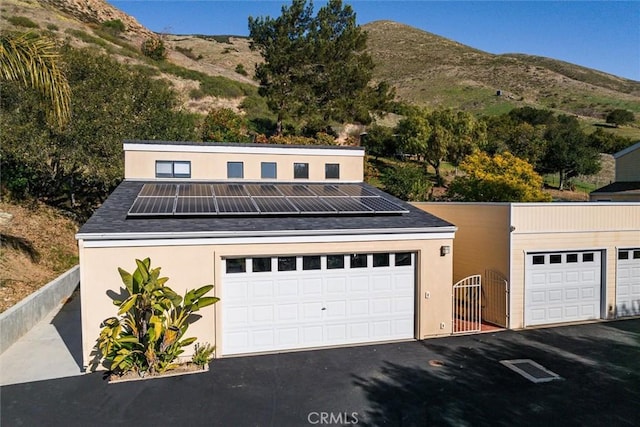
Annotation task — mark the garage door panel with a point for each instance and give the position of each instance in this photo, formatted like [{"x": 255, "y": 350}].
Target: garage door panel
[
  {"x": 261, "y": 289},
  {"x": 262, "y": 313},
  {"x": 359, "y": 307},
  {"x": 271, "y": 311},
  {"x": 288, "y": 312},
  {"x": 359, "y": 331},
  {"x": 287, "y": 288},
  {"x": 382, "y": 283},
  {"x": 237, "y": 292},
  {"x": 628, "y": 282},
  {"x": 336, "y": 334},
  {"x": 312, "y": 287},
  {"x": 359, "y": 284},
  {"x": 567, "y": 290},
  {"x": 336, "y": 285}
]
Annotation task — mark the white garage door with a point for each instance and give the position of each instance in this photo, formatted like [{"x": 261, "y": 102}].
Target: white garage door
[
  {"x": 292, "y": 302},
  {"x": 628, "y": 283},
  {"x": 562, "y": 287}
]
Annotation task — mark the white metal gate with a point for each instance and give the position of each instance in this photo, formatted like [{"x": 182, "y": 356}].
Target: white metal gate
[
  {"x": 467, "y": 305},
  {"x": 495, "y": 298}
]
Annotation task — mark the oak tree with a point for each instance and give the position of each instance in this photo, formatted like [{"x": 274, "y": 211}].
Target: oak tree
[{"x": 316, "y": 67}]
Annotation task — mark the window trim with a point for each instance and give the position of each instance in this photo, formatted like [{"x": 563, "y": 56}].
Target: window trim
[
  {"x": 173, "y": 164},
  {"x": 229, "y": 164},
  {"x": 326, "y": 171},
  {"x": 275, "y": 170},
  {"x": 295, "y": 170}
]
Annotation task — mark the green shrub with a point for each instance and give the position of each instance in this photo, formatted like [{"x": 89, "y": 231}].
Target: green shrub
[
  {"x": 240, "y": 70},
  {"x": 114, "y": 26},
  {"x": 407, "y": 182},
  {"x": 22, "y": 21},
  {"x": 154, "y": 48},
  {"x": 52, "y": 27},
  {"x": 202, "y": 354},
  {"x": 148, "y": 334},
  {"x": 188, "y": 52}
]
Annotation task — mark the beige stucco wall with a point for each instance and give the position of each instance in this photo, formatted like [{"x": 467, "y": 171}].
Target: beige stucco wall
[
  {"x": 191, "y": 266},
  {"x": 482, "y": 239},
  {"x": 563, "y": 227},
  {"x": 628, "y": 167},
  {"x": 213, "y": 166}
]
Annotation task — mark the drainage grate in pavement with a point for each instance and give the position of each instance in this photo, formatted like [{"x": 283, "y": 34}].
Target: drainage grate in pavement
[{"x": 531, "y": 370}]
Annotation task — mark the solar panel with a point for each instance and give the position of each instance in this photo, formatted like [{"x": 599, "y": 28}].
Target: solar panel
[
  {"x": 269, "y": 205},
  {"x": 347, "y": 205},
  {"x": 311, "y": 205},
  {"x": 381, "y": 205},
  {"x": 325, "y": 190},
  {"x": 229, "y": 190},
  {"x": 256, "y": 198},
  {"x": 236, "y": 205},
  {"x": 263, "y": 190},
  {"x": 158, "y": 190},
  {"x": 355, "y": 190},
  {"x": 152, "y": 206},
  {"x": 196, "y": 205},
  {"x": 296, "y": 190},
  {"x": 195, "y": 190}
]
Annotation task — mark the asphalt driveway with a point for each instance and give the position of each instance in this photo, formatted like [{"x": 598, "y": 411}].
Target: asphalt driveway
[{"x": 391, "y": 384}]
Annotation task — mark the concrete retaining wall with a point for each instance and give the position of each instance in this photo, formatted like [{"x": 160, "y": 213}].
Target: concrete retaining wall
[{"x": 20, "y": 318}]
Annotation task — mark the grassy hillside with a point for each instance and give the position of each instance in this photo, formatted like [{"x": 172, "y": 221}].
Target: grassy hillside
[{"x": 431, "y": 70}]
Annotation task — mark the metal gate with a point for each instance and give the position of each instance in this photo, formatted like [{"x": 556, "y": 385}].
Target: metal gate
[
  {"x": 495, "y": 298},
  {"x": 467, "y": 309}
]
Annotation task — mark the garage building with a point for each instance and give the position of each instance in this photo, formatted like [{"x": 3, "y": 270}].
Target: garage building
[{"x": 301, "y": 252}]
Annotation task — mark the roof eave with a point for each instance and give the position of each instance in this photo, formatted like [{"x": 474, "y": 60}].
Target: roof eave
[{"x": 277, "y": 233}]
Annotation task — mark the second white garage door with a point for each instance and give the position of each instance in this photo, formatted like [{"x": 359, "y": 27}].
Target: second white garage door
[
  {"x": 628, "y": 283},
  {"x": 562, "y": 287},
  {"x": 293, "y": 302}
]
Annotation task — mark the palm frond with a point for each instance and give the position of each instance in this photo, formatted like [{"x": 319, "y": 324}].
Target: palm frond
[{"x": 34, "y": 62}]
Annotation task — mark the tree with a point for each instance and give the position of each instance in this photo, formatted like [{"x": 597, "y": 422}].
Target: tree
[
  {"x": 497, "y": 178},
  {"x": 35, "y": 63},
  {"x": 77, "y": 167},
  {"x": 223, "y": 124},
  {"x": 407, "y": 182},
  {"x": 439, "y": 135},
  {"x": 568, "y": 151},
  {"x": 620, "y": 117},
  {"x": 379, "y": 141},
  {"x": 316, "y": 68}
]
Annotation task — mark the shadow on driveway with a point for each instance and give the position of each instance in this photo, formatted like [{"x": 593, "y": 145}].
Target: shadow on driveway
[{"x": 383, "y": 385}]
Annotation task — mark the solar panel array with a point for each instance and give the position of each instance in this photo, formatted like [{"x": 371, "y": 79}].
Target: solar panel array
[{"x": 197, "y": 199}]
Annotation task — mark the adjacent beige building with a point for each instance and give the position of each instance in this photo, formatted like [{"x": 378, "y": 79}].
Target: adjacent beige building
[
  {"x": 562, "y": 262},
  {"x": 626, "y": 187}
]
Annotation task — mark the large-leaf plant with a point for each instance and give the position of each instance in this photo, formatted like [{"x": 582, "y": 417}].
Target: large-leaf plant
[{"x": 147, "y": 335}]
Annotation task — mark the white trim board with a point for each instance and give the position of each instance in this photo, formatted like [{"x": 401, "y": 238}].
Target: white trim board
[
  {"x": 141, "y": 242},
  {"x": 176, "y": 148}
]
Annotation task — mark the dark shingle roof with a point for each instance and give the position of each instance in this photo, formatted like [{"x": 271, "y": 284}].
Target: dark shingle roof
[
  {"x": 112, "y": 218},
  {"x": 245, "y": 144},
  {"x": 619, "y": 187}
]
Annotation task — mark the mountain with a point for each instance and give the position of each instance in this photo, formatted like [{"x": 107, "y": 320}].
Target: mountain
[
  {"x": 424, "y": 68},
  {"x": 429, "y": 69}
]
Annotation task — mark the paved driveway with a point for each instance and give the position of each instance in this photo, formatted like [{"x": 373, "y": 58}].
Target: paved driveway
[{"x": 391, "y": 384}]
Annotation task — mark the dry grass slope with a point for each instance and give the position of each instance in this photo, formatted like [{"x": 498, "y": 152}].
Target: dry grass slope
[{"x": 38, "y": 244}]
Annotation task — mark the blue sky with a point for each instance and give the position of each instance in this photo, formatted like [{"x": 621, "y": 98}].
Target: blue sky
[{"x": 604, "y": 35}]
